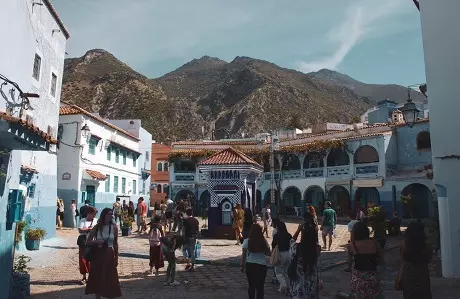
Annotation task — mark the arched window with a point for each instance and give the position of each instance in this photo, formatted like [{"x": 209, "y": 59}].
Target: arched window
[
  {"x": 159, "y": 188},
  {"x": 160, "y": 166},
  {"x": 423, "y": 141},
  {"x": 165, "y": 166},
  {"x": 366, "y": 154}
]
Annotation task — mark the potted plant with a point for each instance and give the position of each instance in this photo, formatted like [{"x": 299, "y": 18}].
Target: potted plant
[
  {"x": 127, "y": 224},
  {"x": 20, "y": 226},
  {"x": 377, "y": 220},
  {"x": 20, "y": 282},
  {"x": 33, "y": 237}
]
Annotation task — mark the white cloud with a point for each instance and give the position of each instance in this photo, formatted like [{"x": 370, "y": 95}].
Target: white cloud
[{"x": 362, "y": 20}]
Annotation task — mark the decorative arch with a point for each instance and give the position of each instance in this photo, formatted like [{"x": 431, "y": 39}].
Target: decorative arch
[
  {"x": 365, "y": 196},
  {"x": 267, "y": 165},
  {"x": 366, "y": 154},
  {"x": 423, "y": 141},
  {"x": 292, "y": 198},
  {"x": 205, "y": 201},
  {"x": 338, "y": 157},
  {"x": 290, "y": 162},
  {"x": 313, "y": 160},
  {"x": 314, "y": 196},
  {"x": 416, "y": 201},
  {"x": 340, "y": 199},
  {"x": 160, "y": 166},
  {"x": 159, "y": 188}
]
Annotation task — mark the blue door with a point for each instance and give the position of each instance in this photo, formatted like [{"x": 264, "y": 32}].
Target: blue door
[{"x": 91, "y": 194}]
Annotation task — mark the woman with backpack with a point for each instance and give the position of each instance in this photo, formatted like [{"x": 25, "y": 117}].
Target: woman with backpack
[
  {"x": 156, "y": 257},
  {"x": 303, "y": 271}
]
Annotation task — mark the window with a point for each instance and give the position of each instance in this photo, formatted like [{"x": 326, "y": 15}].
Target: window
[
  {"x": 134, "y": 160},
  {"x": 160, "y": 166},
  {"x": 92, "y": 146},
  {"x": 15, "y": 207},
  {"x": 107, "y": 183},
  {"x": 117, "y": 156},
  {"x": 53, "y": 84},
  {"x": 109, "y": 153},
  {"x": 115, "y": 184},
  {"x": 423, "y": 141},
  {"x": 123, "y": 185},
  {"x": 124, "y": 158},
  {"x": 134, "y": 187},
  {"x": 143, "y": 188},
  {"x": 165, "y": 166},
  {"x": 147, "y": 155},
  {"x": 37, "y": 67},
  {"x": 159, "y": 188}
]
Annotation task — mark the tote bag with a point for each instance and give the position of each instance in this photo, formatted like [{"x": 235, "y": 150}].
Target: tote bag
[{"x": 275, "y": 257}]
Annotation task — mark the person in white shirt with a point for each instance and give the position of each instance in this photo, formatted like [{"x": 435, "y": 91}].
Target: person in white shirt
[
  {"x": 73, "y": 208},
  {"x": 85, "y": 226},
  {"x": 350, "y": 226}
]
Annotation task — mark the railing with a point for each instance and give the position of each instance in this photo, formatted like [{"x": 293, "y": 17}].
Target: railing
[
  {"x": 338, "y": 171},
  {"x": 185, "y": 178},
  {"x": 366, "y": 169},
  {"x": 202, "y": 177},
  {"x": 314, "y": 172},
  {"x": 292, "y": 174},
  {"x": 184, "y": 171},
  {"x": 268, "y": 176}
]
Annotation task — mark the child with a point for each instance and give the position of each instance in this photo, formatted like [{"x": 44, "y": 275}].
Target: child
[
  {"x": 169, "y": 244},
  {"x": 156, "y": 256}
]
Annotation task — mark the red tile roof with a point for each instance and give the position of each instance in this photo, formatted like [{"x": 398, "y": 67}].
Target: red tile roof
[
  {"x": 96, "y": 175},
  {"x": 57, "y": 18},
  {"x": 229, "y": 156},
  {"x": 216, "y": 142},
  {"x": 74, "y": 109},
  {"x": 28, "y": 125}
]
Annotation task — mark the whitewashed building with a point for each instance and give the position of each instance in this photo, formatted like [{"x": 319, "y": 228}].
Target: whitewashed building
[
  {"x": 97, "y": 160},
  {"x": 31, "y": 66}
]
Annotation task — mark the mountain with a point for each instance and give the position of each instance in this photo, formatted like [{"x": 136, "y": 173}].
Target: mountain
[
  {"x": 245, "y": 95},
  {"x": 373, "y": 92}
]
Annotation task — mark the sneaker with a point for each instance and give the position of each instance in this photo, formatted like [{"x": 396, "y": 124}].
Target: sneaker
[
  {"x": 150, "y": 274},
  {"x": 174, "y": 283},
  {"x": 166, "y": 283}
]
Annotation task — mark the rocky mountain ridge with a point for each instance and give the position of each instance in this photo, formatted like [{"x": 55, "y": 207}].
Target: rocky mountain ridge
[{"x": 245, "y": 95}]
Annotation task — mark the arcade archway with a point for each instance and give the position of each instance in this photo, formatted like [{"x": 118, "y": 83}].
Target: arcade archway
[
  {"x": 340, "y": 199},
  {"x": 416, "y": 201},
  {"x": 314, "y": 196},
  {"x": 205, "y": 202},
  {"x": 366, "y": 196},
  {"x": 292, "y": 201}
]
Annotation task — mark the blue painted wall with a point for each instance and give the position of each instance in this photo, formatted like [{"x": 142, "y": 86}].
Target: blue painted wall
[
  {"x": 6, "y": 249},
  {"x": 408, "y": 155}
]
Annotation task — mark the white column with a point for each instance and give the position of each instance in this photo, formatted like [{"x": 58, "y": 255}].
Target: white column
[{"x": 441, "y": 43}]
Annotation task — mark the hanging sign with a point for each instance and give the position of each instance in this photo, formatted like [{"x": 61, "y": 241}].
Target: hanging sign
[{"x": 66, "y": 176}]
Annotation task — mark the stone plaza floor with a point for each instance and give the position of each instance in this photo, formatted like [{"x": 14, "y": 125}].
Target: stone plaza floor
[{"x": 55, "y": 274}]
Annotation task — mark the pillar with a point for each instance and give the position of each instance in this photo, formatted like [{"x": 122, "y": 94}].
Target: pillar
[{"x": 441, "y": 45}]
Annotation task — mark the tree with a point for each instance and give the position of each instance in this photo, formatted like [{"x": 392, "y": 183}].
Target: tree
[
  {"x": 355, "y": 119},
  {"x": 295, "y": 122}
]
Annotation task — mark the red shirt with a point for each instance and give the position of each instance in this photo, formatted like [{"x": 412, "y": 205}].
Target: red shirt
[{"x": 142, "y": 209}]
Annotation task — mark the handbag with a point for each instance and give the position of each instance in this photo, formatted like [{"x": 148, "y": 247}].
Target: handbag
[
  {"x": 275, "y": 257},
  {"x": 81, "y": 240},
  {"x": 88, "y": 253}
]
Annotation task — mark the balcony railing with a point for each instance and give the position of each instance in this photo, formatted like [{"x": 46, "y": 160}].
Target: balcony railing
[
  {"x": 338, "y": 171},
  {"x": 314, "y": 173},
  {"x": 366, "y": 169},
  {"x": 185, "y": 178},
  {"x": 292, "y": 174},
  {"x": 267, "y": 176},
  {"x": 184, "y": 171}
]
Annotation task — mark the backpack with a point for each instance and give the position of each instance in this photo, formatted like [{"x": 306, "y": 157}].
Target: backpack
[
  {"x": 116, "y": 208},
  {"x": 154, "y": 237}
]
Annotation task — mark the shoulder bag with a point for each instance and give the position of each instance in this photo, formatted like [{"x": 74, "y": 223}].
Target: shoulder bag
[
  {"x": 275, "y": 257},
  {"x": 81, "y": 240}
]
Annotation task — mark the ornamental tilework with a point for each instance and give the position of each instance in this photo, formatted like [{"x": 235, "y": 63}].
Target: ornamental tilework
[{"x": 234, "y": 198}]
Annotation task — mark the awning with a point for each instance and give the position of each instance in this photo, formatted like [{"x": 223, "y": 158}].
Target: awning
[
  {"x": 96, "y": 175},
  {"x": 369, "y": 183}
]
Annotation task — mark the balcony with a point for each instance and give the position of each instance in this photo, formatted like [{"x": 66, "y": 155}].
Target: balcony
[
  {"x": 314, "y": 172},
  {"x": 184, "y": 171},
  {"x": 338, "y": 171},
  {"x": 292, "y": 174},
  {"x": 185, "y": 178},
  {"x": 364, "y": 170}
]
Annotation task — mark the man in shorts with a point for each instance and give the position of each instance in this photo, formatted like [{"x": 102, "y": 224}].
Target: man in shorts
[{"x": 328, "y": 223}]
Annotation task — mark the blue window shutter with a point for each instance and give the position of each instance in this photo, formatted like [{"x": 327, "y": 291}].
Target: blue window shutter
[{"x": 15, "y": 206}]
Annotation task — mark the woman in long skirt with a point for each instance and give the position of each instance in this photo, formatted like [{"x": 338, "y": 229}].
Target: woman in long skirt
[{"x": 103, "y": 277}]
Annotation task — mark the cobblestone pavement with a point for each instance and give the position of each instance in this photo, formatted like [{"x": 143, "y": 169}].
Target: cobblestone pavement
[{"x": 55, "y": 273}]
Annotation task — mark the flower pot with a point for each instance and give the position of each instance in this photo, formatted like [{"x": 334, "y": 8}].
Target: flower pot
[
  {"x": 125, "y": 231},
  {"x": 20, "y": 285},
  {"x": 32, "y": 244}
]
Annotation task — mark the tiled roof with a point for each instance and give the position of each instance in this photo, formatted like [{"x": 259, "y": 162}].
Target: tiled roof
[
  {"x": 57, "y": 18},
  {"x": 28, "y": 169},
  {"x": 216, "y": 142},
  {"x": 28, "y": 125},
  {"x": 229, "y": 156},
  {"x": 74, "y": 109},
  {"x": 96, "y": 175}
]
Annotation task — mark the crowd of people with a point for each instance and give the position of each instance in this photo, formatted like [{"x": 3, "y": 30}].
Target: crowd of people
[{"x": 296, "y": 264}]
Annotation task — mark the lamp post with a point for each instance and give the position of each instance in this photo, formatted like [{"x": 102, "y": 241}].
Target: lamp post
[
  {"x": 274, "y": 145},
  {"x": 409, "y": 110},
  {"x": 85, "y": 131}
]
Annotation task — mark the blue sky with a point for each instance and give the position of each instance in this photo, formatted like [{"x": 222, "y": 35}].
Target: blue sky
[{"x": 374, "y": 41}]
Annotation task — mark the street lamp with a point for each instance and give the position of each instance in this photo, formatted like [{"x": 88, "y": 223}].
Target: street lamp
[
  {"x": 409, "y": 110},
  {"x": 85, "y": 131}
]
